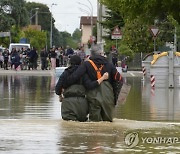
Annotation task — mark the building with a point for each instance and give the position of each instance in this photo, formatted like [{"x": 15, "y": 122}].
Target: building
[
  {"x": 101, "y": 31},
  {"x": 86, "y": 24}
]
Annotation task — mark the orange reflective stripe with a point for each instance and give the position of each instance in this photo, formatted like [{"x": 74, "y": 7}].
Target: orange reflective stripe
[
  {"x": 96, "y": 69},
  {"x": 115, "y": 75},
  {"x": 120, "y": 78}
]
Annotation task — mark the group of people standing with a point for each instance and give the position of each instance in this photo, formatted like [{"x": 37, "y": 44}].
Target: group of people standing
[
  {"x": 19, "y": 59},
  {"x": 58, "y": 57},
  {"x": 27, "y": 59},
  {"x": 87, "y": 89}
]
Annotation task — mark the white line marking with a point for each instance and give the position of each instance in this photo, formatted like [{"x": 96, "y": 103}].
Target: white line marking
[{"x": 132, "y": 74}]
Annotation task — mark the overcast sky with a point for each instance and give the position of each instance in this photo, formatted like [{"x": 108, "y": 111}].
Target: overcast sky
[{"x": 67, "y": 12}]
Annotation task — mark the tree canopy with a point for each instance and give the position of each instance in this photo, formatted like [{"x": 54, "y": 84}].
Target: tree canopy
[
  {"x": 16, "y": 15},
  {"x": 148, "y": 10},
  {"x": 135, "y": 18}
]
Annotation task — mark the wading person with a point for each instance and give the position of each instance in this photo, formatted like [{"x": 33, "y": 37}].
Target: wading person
[
  {"x": 74, "y": 104},
  {"x": 100, "y": 97},
  {"x": 44, "y": 56}
]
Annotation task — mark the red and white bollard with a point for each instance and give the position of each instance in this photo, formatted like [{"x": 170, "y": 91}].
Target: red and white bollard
[
  {"x": 152, "y": 85},
  {"x": 144, "y": 72},
  {"x": 152, "y": 81}
]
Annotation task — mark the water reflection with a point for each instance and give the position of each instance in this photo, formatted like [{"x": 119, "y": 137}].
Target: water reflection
[
  {"x": 28, "y": 97},
  {"x": 33, "y": 97},
  {"x": 145, "y": 103}
]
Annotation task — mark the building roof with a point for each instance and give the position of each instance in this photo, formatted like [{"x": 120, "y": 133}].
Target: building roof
[{"x": 86, "y": 20}]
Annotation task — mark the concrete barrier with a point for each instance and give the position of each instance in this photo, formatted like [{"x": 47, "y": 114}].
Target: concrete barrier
[
  {"x": 160, "y": 71},
  {"x": 177, "y": 71},
  {"x": 165, "y": 67}
]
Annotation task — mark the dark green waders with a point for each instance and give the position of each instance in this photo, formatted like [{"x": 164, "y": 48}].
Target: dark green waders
[
  {"x": 74, "y": 106},
  {"x": 101, "y": 102}
]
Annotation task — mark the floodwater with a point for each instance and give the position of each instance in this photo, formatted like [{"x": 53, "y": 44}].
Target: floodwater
[{"x": 30, "y": 120}]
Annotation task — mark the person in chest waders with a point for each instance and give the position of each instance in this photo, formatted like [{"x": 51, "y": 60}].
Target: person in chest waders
[
  {"x": 74, "y": 104},
  {"x": 100, "y": 97}
]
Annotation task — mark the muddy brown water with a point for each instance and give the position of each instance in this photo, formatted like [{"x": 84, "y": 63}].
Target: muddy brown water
[{"x": 30, "y": 120}]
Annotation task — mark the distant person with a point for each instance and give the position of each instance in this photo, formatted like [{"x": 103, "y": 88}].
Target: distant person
[
  {"x": 69, "y": 52},
  {"x": 6, "y": 58},
  {"x": 57, "y": 51},
  {"x": 33, "y": 56},
  {"x": 81, "y": 53},
  {"x": 61, "y": 56},
  {"x": 44, "y": 57},
  {"x": 115, "y": 57},
  {"x": 15, "y": 60},
  {"x": 1, "y": 60},
  {"x": 53, "y": 58}
]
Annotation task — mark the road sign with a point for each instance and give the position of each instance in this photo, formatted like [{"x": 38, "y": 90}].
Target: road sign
[
  {"x": 4, "y": 34},
  {"x": 154, "y": 30},
  {"x": 116, "y": 33}
]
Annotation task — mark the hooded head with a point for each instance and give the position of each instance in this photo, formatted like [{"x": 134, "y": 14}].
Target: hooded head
[
  {"x": 96, "y": 50},
  {"x": 75, "y": 60}
]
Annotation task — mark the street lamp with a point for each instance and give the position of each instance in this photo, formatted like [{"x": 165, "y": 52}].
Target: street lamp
[
  {"x": 85, "y": 11},
  {"x": 91, "y": 10},
  {"x": 51, "y": 26},
  {"x": 91, "y": 17},
  {"x": 36, "y": 14}
]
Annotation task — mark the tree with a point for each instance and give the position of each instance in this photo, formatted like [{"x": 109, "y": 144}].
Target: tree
[
  {"x": 56, "y": 37},
  {"x": 111, "y": 20},
  {"x": 76, "y": 36},
  {"x": 136, "y": 36},
  {"x": 5, "y": 20},
  {"x": 138, "y": 16},
  {"x": 19, "y": 12},
  {"x": 36, "y": 38},
  {"x": 146, "y": 10}
]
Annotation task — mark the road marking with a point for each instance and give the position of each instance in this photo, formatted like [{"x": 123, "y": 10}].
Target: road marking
[
  {"x": 132, "y": 74},
  {"x": 8, "y": 98}
]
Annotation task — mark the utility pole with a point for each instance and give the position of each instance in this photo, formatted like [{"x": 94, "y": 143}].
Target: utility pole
[
  {"x": 99, "y": 26},
  {"x": 36, "y": 21},
  {"x": 51, "y": 33},
  {"x": 99, "y": 18},
  {"x": 36, "y": 15},
  {"x": 175, "y": 40}
]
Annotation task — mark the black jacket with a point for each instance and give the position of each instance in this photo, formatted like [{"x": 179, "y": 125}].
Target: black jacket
[
  {"x": 61, "y": 84},
  {"x": 90, "y": 75}
]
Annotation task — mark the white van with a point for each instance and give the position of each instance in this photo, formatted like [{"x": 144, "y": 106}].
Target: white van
[{"x": 18, "y": 46}]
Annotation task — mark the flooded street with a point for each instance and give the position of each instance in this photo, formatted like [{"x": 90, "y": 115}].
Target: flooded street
[{"x": 31, "y": 122}]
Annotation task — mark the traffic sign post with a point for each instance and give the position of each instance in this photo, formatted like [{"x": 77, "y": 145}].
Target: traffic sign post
[
  {"x": 116, "y": 34},
  {"x": 155, "y": 31},
  {"x": 6, "y": 34}
]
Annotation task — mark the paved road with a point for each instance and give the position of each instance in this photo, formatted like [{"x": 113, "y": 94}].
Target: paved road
[
  {"x": 28, "y": 72},
  {"x": 52, "y": 72}
]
